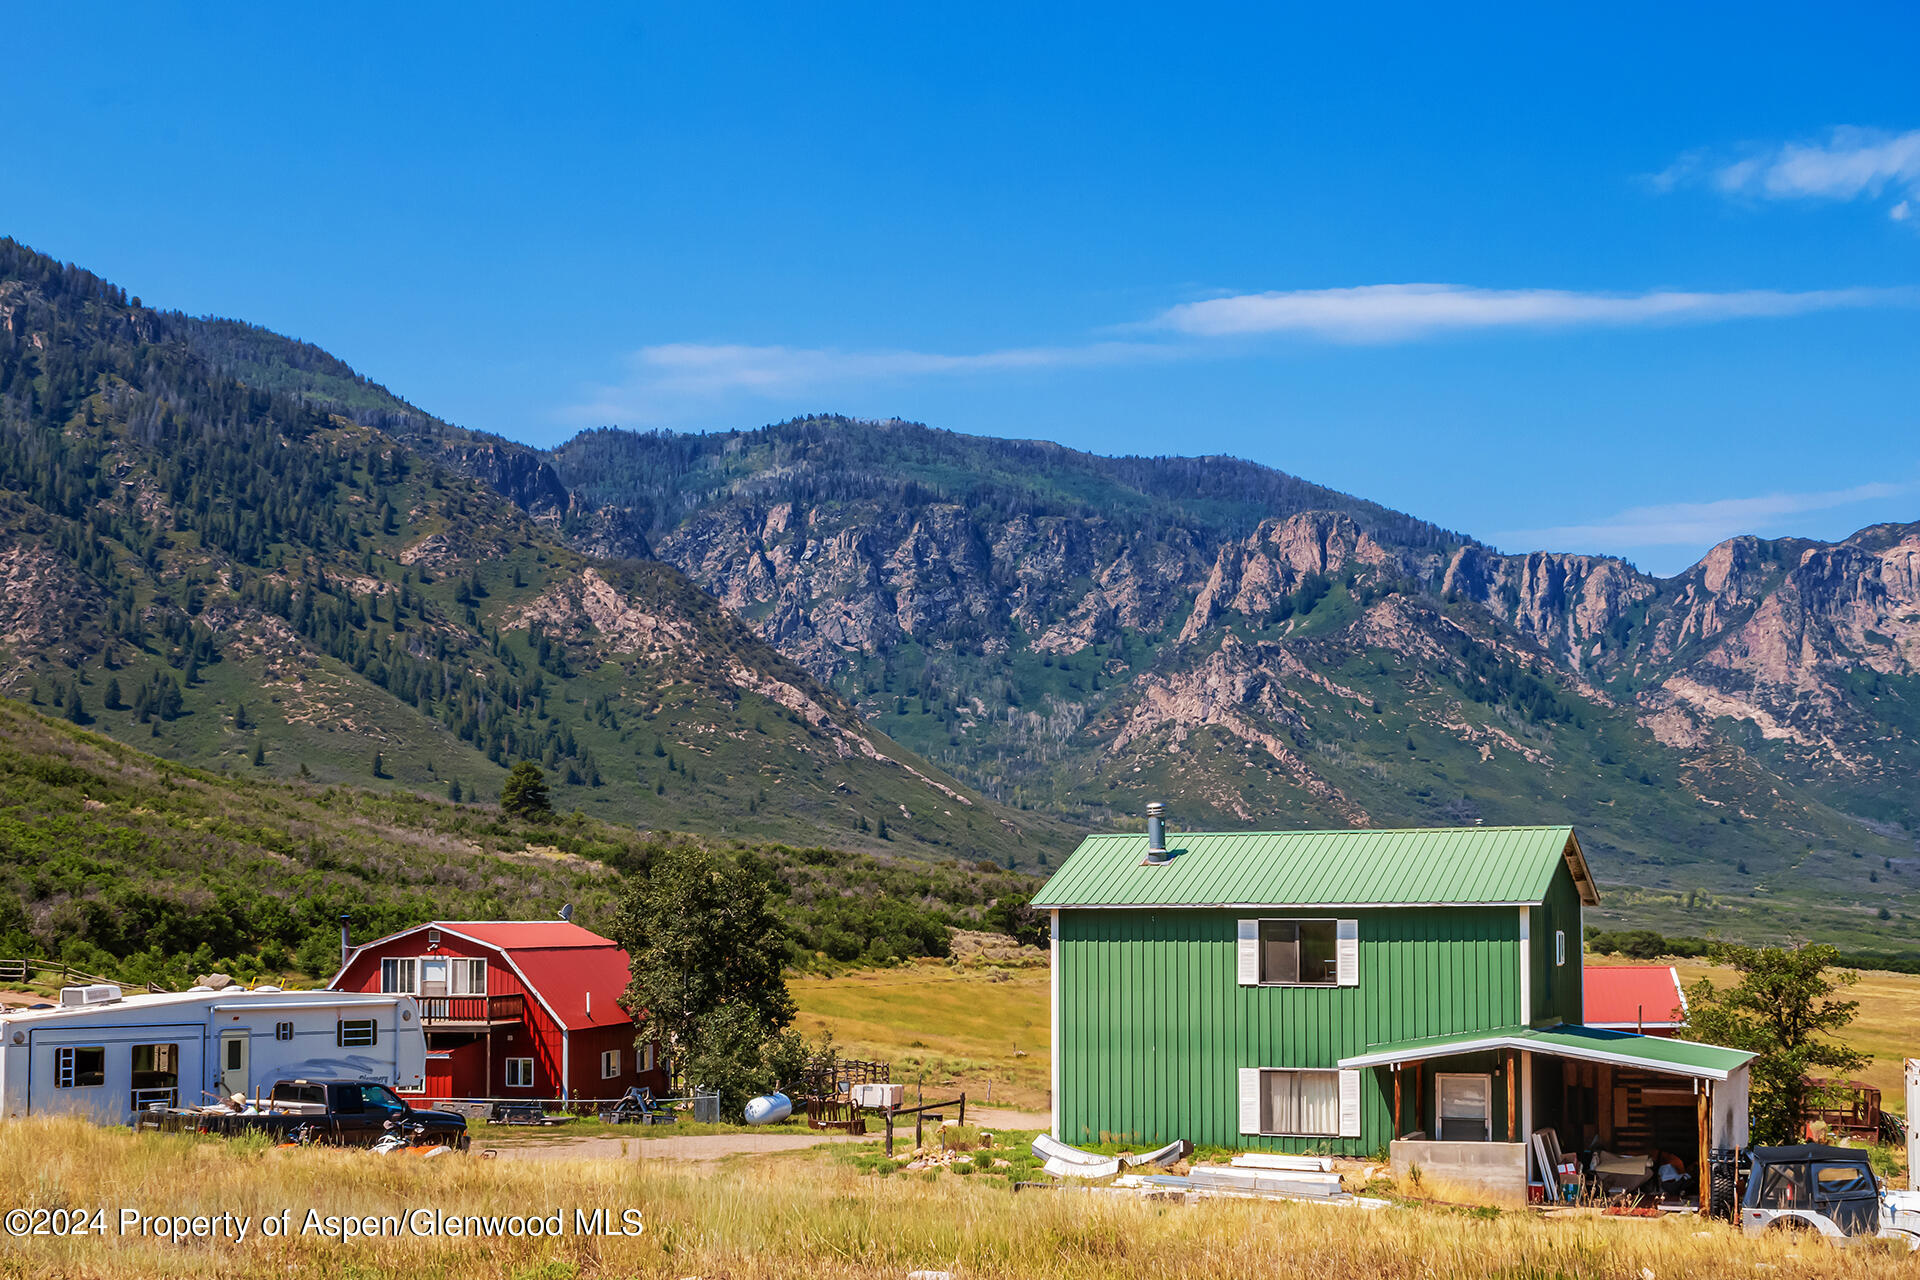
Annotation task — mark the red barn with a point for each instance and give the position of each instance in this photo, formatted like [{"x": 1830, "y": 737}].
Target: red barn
[
  {"x": 1635, "y": 997},
  {"x": 513, "y": 1008}
]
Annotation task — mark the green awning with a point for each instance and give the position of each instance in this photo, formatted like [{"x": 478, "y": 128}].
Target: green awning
[
  {"x": 1568, "y": 1040},
  {"x": 1454, "y": 866}
]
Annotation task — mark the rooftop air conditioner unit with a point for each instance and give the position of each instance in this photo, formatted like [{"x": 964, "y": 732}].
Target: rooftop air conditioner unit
[{"x": 96, "y": 993}]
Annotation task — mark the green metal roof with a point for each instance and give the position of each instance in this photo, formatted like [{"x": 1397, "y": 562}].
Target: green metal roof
[
  {"x": 1454, "y": 866},
  {"x": 1591, "y": 1044}
]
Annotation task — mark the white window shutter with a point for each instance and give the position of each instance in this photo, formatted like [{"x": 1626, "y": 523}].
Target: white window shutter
[
  {"x": 1349, "y": 1104},
  {"x": 1250, "y": 1100},
  {"x": 1347, "y": 951},
  {"x": 1249, "y": 955}
]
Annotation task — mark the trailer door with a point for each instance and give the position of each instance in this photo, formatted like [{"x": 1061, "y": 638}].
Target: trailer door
[{"x": 236, "y": 1072}]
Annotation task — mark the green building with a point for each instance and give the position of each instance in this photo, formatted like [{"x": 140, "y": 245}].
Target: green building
[{"x": 1339, "y": 992}]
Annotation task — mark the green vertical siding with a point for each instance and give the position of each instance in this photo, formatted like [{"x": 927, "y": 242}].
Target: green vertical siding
[
  {"x": 1155, "y": 1026},
  {"x": 1556, "y": 988}
]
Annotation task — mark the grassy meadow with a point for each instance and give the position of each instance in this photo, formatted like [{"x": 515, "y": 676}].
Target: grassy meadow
[
  {"x": 806, "y": 1213},
  {"x": 950, "y": 1028}
]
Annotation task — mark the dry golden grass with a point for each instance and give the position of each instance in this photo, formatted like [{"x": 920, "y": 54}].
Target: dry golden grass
[
  {"x": 966, "y": 1027},
  {"x": 806, "y": 1215}
]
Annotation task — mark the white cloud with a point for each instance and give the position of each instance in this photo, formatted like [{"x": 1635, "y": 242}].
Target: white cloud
[
  {"x": 670, "y": 378},
  {"x": 672, "y": 375},
  {"x": 1402, "y": 312},
  {"x": 1851, "y": 164},
  {"x": 1694, "y": 524}
]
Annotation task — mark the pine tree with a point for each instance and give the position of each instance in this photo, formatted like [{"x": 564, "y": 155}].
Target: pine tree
[
  {"x": 380, "y": 765},
  {"x": 112, "y": 697},
  {"x": 259, "y": 753},
  {"x": 524, "y": 793}
]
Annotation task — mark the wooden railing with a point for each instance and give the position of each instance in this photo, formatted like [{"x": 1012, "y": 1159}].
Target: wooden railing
[{"x": 508, "y": 1008}]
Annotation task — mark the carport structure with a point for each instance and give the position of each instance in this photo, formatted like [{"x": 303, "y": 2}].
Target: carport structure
[{"x": 1627, "y": 1094}]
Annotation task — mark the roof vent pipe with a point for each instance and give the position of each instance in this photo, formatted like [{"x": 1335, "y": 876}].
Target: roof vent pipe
[{"x": 1156, "y": 832}]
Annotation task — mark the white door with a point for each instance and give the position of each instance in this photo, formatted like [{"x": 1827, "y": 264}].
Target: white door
[
  {"x": 1466, "y": 1107},
  {"x": 236, "y": 1070}
]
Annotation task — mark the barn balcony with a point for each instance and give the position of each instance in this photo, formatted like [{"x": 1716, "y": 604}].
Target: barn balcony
[{"x": 476, "y": 1013}]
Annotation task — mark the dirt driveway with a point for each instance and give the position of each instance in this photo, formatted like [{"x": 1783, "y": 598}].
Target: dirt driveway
[
  {"x": 718, "y": 1146},
  {"x": 712, "y": 1146}
]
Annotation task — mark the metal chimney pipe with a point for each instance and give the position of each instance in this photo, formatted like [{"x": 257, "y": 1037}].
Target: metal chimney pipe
[
  {"x": 346, "y": 948},
  {"x": 1156, "y": 832}
]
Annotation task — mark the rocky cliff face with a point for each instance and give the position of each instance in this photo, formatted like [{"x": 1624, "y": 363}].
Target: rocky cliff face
[{"x": 1082, "y": 640}]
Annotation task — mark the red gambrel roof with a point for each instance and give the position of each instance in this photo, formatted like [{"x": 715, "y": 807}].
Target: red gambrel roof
[
  {"x": 559, "y": 962},
  {"x": 1629, "y": 996},
  {"x": 511, "y": 935}
]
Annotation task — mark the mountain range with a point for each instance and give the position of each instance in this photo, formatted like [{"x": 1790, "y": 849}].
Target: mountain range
[{"x": 892, "y": 637}]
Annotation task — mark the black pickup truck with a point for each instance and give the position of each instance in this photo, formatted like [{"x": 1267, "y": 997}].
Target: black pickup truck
[{"x": 344, "y": 1113}]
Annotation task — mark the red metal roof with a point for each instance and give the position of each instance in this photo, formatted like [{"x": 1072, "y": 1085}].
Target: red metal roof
[
  {"x": 1633, "y": 995},
  {"x": 511, "y": 935},
  {"x": 564, "y": 975}
]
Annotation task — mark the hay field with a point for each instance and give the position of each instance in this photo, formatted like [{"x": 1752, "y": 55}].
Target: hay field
[{"x": 965, "y": 1028}]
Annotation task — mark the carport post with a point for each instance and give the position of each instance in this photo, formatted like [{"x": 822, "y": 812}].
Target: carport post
[{"x": 1703, "y": 1105}]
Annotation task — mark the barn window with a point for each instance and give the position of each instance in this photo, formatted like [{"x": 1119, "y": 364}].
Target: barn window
[
  {"x": 468, "y": 978},
  {"x": 1300, "y": 1103},
  {"x": 1299, "y": 953},
  {"x": 355, "y": 1033},
  {"x": 80, "y": 1067},
  {"x": 609, "y": 1064},
  {"x": 1559, "y": 946},
  {"x": 645, "y": 1056},
  {"x": 397, "y": 976},
  {"x": 519, "y": 1073}
]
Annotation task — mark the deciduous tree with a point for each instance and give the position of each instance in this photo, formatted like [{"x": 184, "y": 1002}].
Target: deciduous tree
[{"x": 1781, "y": 1010}]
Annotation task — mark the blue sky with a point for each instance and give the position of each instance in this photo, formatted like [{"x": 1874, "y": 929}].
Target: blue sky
[{"x": 1625, "y": 285}]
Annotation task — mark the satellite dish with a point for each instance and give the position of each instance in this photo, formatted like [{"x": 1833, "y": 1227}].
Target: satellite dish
[{"x": 566, "y": 912}]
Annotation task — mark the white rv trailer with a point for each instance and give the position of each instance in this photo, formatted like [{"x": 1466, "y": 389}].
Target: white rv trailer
[{"x": 105, "y": 1055}]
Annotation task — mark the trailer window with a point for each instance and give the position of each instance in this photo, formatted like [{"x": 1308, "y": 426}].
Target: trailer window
[
  {"x": 76, "y": 1067},
  {"x": 283, "y": 1031},
  {"x": 1299, "y": 953},
  {"x": 519, "y": 1073},
  {"x": 355, "y": 1032},
  {"x": 156, "y": 1075}
]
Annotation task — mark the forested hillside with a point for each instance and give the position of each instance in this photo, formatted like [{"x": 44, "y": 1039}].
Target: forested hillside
[
  {"x": 123, "y": 863},
  {"x": 247, "y": 575}
]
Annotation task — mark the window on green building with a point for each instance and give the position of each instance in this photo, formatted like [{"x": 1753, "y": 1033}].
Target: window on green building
[
  {"x": 1300, "y": 1103},
  {"x": 1299, "y": 953}
]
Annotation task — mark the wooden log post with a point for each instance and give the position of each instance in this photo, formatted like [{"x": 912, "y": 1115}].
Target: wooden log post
[
  {"x": 1396, "y": 1103},
  {"x": 1703, "y": 1105},
  {"x": 1513, "y": 1113},
  {"x": 889, "y": 1130}
]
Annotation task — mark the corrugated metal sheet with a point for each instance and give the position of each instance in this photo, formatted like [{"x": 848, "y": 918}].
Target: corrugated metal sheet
[
  {"x": 1154, "y": 1024},
  {"x": 1593, "y": 1044},
  {"x": 1464, "y": 866}
]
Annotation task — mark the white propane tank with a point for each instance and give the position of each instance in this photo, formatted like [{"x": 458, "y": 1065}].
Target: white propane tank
[{"x": 770, "y": 1108}]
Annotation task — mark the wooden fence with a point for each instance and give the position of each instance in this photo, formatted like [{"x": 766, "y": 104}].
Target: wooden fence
[{"x": 22, "y": 971}]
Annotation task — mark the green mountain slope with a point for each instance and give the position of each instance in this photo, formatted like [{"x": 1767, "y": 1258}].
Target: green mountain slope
[
  {"x": 242, "y": 575},
  {"x": 122, "y": 862}
]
